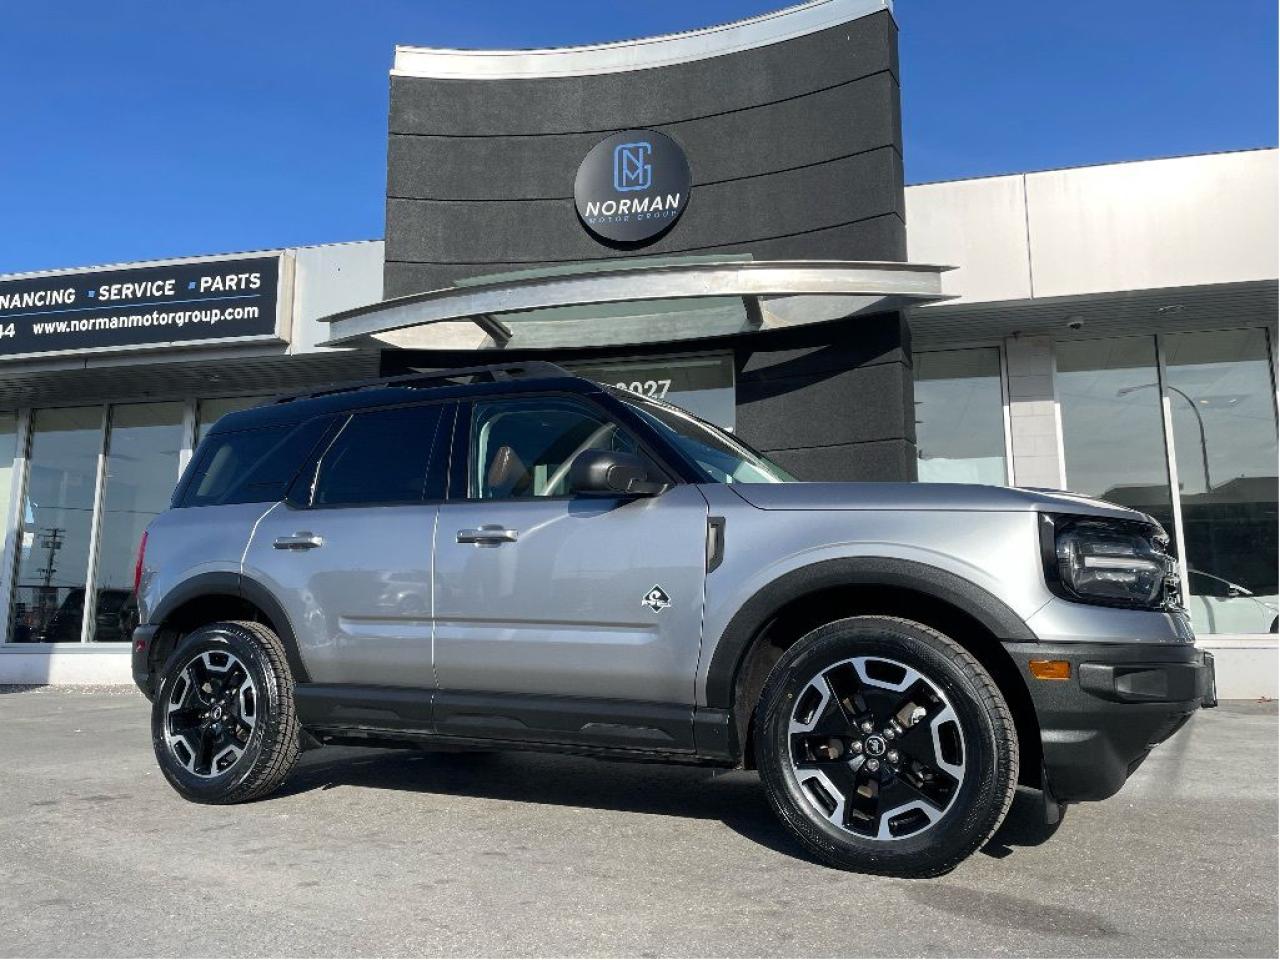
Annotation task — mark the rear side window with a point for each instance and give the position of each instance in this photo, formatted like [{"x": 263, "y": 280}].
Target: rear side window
[
  {"x": 383, "y": 456},
  {"x": 251, "y": 466}
]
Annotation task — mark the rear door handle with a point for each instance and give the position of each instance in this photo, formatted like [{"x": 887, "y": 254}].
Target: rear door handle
[
  {"x": 489, "y": 533},
  {"x": 303, "y": 540}
]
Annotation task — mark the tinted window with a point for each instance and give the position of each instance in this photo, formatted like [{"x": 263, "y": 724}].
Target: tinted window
[
  {"x": 250, "y": 466},
  {"x": 523, "y": 448},
  {"x": 382, "y": 457}
]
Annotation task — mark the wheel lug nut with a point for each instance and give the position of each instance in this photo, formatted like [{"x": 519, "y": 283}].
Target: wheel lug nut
[
  {"x": 866, "y": 726},
  {"x": 888, "y": 733},
  {"x": 856, "y": 746},
  {"x": 892, "y": 756},
  {"x": 873, "y": 765}
]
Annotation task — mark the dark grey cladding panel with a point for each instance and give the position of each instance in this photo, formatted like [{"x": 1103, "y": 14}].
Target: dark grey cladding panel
[
  {"x": 823, "y": 349},
  {"x": 880, "y": 238},
  {"x": 852, "y": 406},
  {"x": 839, "y": 122},
  {"x": 882, "y": 460},
  {"x": 739, "y": 211},
  {"x": 646, "y": 98}
]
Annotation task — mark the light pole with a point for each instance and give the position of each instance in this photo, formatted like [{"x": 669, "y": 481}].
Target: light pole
[{"x": 1204, "y": 443}]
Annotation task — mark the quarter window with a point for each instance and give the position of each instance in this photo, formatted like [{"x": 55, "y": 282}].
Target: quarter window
[
  {"x": 251, "y": 466},
  {"x": 382, "y": 457}
]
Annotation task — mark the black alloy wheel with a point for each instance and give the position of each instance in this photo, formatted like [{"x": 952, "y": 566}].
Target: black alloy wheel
[
  {"x": 886, "y": 747},
  {"x": 223, "y": 723}
]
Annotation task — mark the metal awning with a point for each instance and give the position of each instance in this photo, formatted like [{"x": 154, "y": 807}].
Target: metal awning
[{"x": 637, "y": 302}]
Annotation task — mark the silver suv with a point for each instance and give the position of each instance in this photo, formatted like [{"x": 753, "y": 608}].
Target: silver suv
[{"x": 513, "y": 557}]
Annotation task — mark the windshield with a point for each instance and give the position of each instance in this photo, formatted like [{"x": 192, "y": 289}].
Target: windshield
[{"x": 720, "y": 455}]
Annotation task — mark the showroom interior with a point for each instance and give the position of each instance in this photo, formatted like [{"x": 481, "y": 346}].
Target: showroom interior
[{"x": 1108, "y": 329}]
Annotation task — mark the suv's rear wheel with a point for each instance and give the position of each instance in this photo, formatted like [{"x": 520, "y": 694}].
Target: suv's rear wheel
[
  {"x": 223, "y": 723},
  {"x": 886, "y": 747}
]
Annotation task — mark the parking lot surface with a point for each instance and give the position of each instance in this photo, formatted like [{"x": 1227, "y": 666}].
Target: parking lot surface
[{"x": 393, "y": 853}]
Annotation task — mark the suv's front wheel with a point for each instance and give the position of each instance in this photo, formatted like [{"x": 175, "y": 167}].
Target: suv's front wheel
[
  {"x": 886, "y": 747},
  {"x": 223, "y": 722}
]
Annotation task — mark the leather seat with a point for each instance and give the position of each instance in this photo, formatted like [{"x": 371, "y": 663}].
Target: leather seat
[{"x": 507, "y": 475}]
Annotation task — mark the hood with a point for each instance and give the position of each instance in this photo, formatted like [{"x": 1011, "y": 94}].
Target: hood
[{"x": 923, "y": 496}]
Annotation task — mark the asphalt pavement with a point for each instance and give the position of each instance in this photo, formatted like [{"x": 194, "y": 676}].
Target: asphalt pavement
[{"x": 391, "y": 853}]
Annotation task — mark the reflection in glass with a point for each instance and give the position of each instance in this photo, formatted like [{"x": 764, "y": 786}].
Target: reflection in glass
[
  {"x": 1222, "y": 405},
  {"x": 56, "y": 523},
  {"x": 209, "y": 411},
  {"x": 960, "y": 417},
  {"x": 8, "y": 450},
  {"x": 701, "y": 385},
  {"x": 1112, "y": 425},
  {"x": 142, "y": 468}
]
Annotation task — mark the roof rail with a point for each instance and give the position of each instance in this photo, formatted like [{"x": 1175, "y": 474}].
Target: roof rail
[{"x": 528, "y": 369}]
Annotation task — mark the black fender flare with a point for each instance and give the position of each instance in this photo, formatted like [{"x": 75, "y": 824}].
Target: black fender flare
[
  {"x": 755, "y": 614},
  {"x": 236, "y": 585}
]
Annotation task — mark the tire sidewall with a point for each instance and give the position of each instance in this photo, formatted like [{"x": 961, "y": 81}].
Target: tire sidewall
[
  {"x": 979, "y": 802},
  {"x": 227, "y": 638}
]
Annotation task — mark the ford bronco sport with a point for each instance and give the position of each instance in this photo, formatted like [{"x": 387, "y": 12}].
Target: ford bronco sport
[{"x": 507, "y": 557}]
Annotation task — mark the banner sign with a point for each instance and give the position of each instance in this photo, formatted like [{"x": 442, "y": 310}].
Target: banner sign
[{"x": 173, "y": 305}]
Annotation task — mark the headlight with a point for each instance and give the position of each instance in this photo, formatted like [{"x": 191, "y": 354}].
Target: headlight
[{"x": 1112, "y": 562}]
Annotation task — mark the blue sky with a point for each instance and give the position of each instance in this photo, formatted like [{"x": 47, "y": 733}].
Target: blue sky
[{"x": 136, "y": 130}]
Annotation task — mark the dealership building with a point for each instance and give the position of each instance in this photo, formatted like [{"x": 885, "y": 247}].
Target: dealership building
[{"x": 719, "y": 218}]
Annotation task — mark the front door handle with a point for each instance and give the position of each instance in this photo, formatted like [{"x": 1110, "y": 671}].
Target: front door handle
[
  {"x": 492, "y": 533},
  {"x": 303, "y": 540}
]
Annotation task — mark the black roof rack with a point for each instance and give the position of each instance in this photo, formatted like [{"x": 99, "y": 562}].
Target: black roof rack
[{"x": 435, "y": 378}]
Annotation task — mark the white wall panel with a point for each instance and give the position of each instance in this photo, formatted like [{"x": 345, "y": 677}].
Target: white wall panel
[
  {"x": 1159, "y": 223},
  {"x": 977, "y": 226}
]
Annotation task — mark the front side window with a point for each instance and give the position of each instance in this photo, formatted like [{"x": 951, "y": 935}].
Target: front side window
[
  {"x": 381, "y": 457},
  {"x": 524, "y": 448},
  {"x": 722, "y": 457}
]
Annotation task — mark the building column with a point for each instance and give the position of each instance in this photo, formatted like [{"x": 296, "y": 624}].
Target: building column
[
  {"x": 1035, "y": 425},
  {"x": 832, "y": 401}
]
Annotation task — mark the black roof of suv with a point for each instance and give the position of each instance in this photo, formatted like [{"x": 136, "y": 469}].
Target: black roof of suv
[{"x": 387, "y": 391}]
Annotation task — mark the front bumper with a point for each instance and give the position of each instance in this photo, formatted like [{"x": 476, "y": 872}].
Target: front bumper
[{"x": 1119, "y": 702}]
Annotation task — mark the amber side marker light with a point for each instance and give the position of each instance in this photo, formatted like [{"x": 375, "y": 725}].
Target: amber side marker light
[{"x": 1050, "y": 669}]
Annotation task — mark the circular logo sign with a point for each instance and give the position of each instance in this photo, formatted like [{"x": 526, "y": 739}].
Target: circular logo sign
[{"x": 631, "y": 187}]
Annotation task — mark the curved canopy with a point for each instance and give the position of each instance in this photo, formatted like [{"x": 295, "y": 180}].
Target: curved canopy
[{"x": 636, "y": 302}]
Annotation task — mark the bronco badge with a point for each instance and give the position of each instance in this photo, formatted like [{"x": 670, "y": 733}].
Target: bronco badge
[{"x": 656, "y": 599}]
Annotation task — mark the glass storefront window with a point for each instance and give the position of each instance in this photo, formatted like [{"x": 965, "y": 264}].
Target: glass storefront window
[
  {"x": 8, "y": 451},
  {"x": 701, "y": 385},
  {"x": 960, "y": 417},
  {"x": 1112, "y": 424},
  {"x": 56, "y": 524},
  {"x": 208, "y": 411},
  {"x": 143, "y": 446},
  {"x": 1222, "y": 407}
]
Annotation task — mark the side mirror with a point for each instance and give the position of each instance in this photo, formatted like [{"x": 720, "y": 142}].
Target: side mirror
[{"x": 612, "y": 473}]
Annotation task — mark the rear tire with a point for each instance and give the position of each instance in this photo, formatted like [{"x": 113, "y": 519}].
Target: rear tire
[
  {"x": 223, "y": 723},
  {"x": 886, "y": 747}
]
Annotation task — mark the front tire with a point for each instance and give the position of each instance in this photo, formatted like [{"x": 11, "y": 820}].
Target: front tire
[
  {"x": 223, "y": 723},
  {"x": 886, "y": 747}
]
